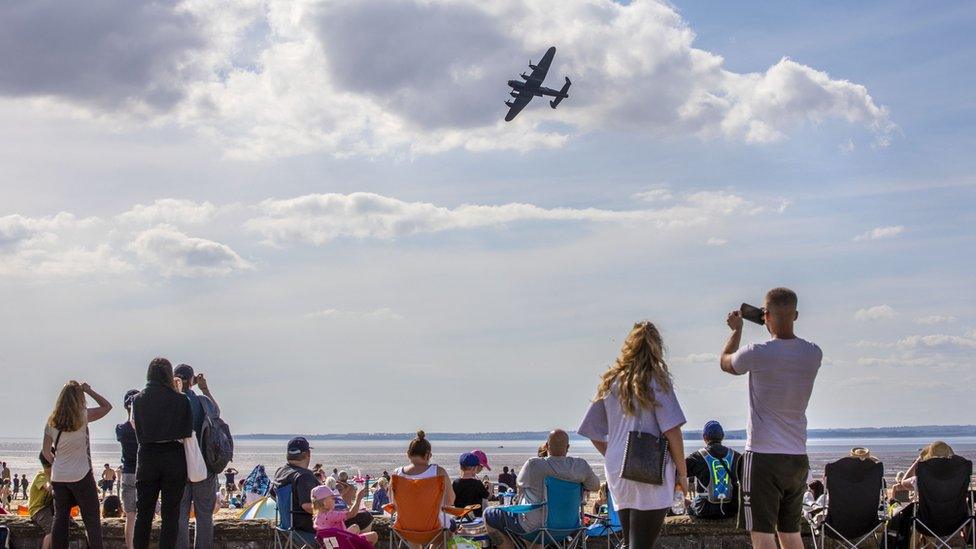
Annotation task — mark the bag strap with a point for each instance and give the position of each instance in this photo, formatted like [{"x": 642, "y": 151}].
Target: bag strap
[{"x": 57, "y": 439}]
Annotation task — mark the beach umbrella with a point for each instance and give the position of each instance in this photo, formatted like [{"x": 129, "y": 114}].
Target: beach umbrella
[{"x": 265, "y": 508}]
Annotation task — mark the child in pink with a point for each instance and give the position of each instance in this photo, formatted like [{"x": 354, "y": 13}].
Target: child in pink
[{"x": 328, "y": 518}]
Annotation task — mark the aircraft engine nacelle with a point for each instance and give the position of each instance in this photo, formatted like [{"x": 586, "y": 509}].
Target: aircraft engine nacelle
[
  {"x": 533, "y": 67},
  {"x": 508, "y": 103},
  {"x": 513, "y": 94},
  {"x": 515, "y": 84}
]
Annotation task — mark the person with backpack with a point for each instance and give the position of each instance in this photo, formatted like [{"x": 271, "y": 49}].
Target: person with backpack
[
  {"x": 202, "y": 495},
  {"x": 714, "y": 469}
]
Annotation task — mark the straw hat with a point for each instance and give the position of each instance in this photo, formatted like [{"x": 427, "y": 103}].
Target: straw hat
[
  {"x": 861, "y": 453},
  {"x": 937, "y": 449}
]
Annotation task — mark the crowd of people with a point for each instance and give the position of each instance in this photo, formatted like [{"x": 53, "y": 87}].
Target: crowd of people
[{"x": 634, "y": 421}]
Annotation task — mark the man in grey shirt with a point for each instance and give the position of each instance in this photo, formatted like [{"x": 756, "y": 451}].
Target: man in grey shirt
[
  {"x": 532, "y": 487},
  {"x": 775, "y": 465}
]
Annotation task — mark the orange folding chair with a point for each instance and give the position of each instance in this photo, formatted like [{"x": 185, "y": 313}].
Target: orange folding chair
[{"x": 417, "y": 509}]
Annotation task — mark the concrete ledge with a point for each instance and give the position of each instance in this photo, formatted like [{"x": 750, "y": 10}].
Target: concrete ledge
[{"x": 683, "y": 532}]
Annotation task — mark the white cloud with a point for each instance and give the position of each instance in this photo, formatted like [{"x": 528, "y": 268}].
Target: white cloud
[
  {"x": 935, "y": 319},
  {"x": 170, "y": 211},
  {"x": 698, "y": 358},
  {"x": 321, "y": 218},
  {"x": 878, "y": 312},
  {"x": 878, "y": 233},
  {"x": 421, "y": 76},
  {"x": 654, "y": 194},
  {"x": 383, "y": 313},
  {"x": 55, "y": 246},
  {"x": 173, "y": 253},
  {"x": 715, "y": 241},
  {"x": 937, "y": 341}
]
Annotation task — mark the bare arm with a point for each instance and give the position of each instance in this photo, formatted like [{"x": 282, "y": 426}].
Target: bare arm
[
  {"x": 46, "y": 447},
  {"x": 448, "y": 488},
  {"x": 205, "y": 389},
  {"x": 676, "y": 446},
  {"x": 734, "y": 320},
  {"x": 354, "y": 508},
  {"x": 103, "y": 408},
  {"x": 600, "y": 446}
]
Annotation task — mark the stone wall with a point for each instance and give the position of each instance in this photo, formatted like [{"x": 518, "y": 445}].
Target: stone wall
[{"x": 679, "y": 532}]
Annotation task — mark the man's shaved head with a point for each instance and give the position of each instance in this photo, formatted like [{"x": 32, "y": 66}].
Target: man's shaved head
[{"x": 558, "y": 442}]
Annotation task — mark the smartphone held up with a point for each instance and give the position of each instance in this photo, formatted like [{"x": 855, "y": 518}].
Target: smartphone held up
[{"x": 752, "y": 314}]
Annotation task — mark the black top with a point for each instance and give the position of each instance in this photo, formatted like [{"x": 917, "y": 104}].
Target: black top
[
  {"x": 161, "y": 414},
  {"x": 302, "y": 481},
  {"x": 698, "y": 470},
  {"x": 470, "y": 491},
  {"x": 126, "y": 435},
  {"x": 508, "y": 479}
]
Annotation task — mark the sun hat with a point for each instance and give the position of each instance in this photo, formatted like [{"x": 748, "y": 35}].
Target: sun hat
[
  {"x": 861, "y": 452},
  {"x": 482, "y": 458},
  {"x": 322, "y": 492}
]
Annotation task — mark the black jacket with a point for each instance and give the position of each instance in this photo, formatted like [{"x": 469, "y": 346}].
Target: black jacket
[{"x": 161, "y": 414}]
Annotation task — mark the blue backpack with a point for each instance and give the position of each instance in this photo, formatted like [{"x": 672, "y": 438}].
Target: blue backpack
[{"x": 720, "y": 478}]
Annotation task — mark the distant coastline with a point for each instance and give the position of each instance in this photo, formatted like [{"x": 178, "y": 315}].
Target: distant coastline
[{"x": 917, "y": 431}]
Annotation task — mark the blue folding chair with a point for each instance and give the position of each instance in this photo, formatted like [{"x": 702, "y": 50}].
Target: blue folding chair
[
  {"x": 607, "y": 526},
  {"x": 285, "y": 537},
  {"x": 563, "y": 525}
]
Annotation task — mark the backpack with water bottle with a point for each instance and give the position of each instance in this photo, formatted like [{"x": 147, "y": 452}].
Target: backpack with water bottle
[{"x": 721, "y": 481}]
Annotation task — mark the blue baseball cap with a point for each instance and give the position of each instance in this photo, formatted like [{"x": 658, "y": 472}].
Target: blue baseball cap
[
  {"x": 713, "y": 431},
  {"x": 468, "y": 459},
  {"x": 184, "y": 372},
  {"x": 298, "y": 445}
]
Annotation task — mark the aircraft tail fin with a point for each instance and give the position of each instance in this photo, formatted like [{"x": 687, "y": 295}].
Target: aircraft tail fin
[{"x": 563, "y": 94}]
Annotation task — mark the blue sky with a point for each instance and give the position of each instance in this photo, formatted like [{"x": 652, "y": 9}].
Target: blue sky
[{"x": 316, "y": 204}]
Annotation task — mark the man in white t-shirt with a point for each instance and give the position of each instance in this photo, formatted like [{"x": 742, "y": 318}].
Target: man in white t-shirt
[{"x": 775, "y": 465}]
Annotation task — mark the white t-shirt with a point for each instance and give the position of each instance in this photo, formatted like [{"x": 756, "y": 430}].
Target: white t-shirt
[
  {"x": 72, "y": 460},
  {"x": 781, "y": 376},
  {"x": 606, "y": 421}
]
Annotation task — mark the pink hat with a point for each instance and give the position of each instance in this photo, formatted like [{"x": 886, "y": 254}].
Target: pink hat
[
  {"x": 482, "y": 458},
  {"x": 322, "y": 492}
]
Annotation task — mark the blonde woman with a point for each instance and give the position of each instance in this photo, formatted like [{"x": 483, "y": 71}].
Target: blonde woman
[
  {"x": 637, "y": 394},
  {"x": 66, "y": 447}
]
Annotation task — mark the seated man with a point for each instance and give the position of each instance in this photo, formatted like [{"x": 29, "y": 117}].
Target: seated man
[
  {"x": 297, "y": 475},
  {"x": 531, "y": 487},
  {"x": 714, "y": 470}
]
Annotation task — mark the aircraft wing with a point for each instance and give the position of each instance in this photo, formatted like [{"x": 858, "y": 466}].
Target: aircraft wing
[
  {"x": 516, "y": 106},
  {"x": 542, "y": 68}
]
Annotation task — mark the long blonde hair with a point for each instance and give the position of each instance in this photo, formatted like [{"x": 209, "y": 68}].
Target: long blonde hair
[
  {"x": 69, "y": 411},
  {"x": 641, "y": 361}
]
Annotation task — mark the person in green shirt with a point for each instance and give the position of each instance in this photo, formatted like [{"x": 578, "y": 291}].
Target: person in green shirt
[{"x": 40, "y": 501}]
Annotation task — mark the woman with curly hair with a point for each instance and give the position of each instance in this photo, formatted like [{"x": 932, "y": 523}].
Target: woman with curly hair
[
  {"x": 637, "y": 394},
  {"x": 67, "y": 447}
]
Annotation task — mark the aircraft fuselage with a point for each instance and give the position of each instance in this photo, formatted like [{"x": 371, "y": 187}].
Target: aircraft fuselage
[{"x": 538, "y": 91}]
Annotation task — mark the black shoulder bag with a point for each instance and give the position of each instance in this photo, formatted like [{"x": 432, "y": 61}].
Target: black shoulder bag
[{"x": 644, "y": 456}]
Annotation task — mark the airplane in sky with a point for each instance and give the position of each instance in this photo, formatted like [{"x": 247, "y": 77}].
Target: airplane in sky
[{"x": 531, "y": 86}]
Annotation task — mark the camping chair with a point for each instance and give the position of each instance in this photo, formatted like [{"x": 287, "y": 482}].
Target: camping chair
[
  {"x": 562, "y": 526},
  {"x": 855, "y": 497},
  {"x": 945, "y": 508},
  {"x": 417, "y": 512},
  {"x": 285, "y": 537},
  {"x": 607, "y": 526}
]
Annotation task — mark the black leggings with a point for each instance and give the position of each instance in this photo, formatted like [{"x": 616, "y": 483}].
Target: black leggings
[
  {"x": 641, "y": 528},
  {"x": 84, "y": 494},
  {"x": 160, "y": 472}
]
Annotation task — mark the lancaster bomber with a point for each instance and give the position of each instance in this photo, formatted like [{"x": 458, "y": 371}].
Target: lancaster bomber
[{"x": 531, "y": 86}]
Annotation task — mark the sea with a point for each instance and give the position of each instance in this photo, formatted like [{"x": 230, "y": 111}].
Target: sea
[{"x": 373, "y": 457}]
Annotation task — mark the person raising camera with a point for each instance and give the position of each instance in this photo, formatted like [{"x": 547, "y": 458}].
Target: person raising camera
[{"x": 781, "y": 372}]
